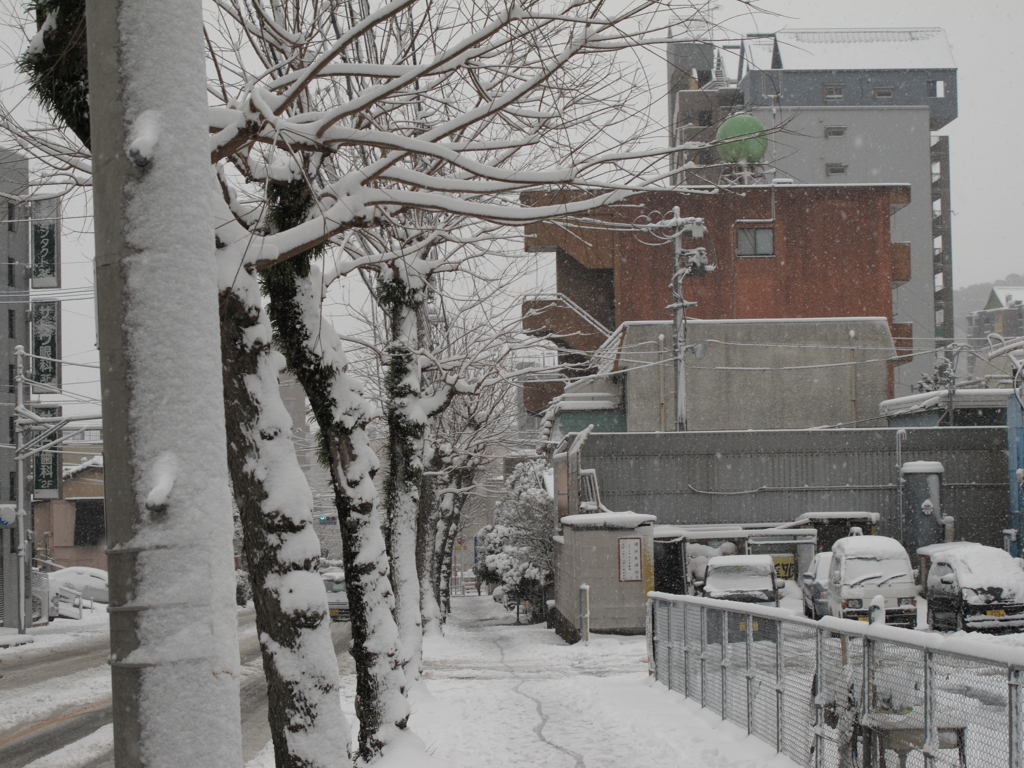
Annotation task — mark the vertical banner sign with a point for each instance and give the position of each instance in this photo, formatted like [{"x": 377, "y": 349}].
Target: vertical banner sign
[
  {"x": 47, "y": 468},
  {"x": 630, "y": 568},
  {"x": 46, "y": 243},
  {"x": 46, "y": 342}
]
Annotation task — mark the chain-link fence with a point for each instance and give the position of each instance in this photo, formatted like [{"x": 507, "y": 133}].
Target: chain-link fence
[{"x": 840, "y": 694}]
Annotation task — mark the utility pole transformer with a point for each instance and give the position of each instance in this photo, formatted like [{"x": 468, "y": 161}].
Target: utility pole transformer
[{"x": 173, "y": 627}]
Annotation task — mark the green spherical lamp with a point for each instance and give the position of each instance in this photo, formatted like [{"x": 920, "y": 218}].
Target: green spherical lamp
[{"x": 743, "y": 139}]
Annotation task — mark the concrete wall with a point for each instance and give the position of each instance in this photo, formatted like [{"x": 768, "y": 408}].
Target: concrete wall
[
  {"x": 591, "y": 556},
  {"x": 760, "y": 374},
  {"x": 882, "y": 144},
  {"x": 766, "y": 476}
]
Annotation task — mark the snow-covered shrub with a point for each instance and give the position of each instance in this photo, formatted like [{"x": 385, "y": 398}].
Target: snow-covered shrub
[{"x": 518, "y": 549}]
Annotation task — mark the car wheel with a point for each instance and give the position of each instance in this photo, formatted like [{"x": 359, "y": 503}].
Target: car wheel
[
  {"x": 961, "y": 624},
  {"x": 808, "y": 612}
]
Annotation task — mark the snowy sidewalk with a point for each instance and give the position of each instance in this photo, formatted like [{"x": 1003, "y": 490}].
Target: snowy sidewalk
[{"x": 497, "y": 694}]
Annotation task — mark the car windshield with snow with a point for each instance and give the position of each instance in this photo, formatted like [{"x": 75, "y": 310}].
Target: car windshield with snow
[
  {"x": 745, "y": 578},
  {"x": 975, "y": 588}
]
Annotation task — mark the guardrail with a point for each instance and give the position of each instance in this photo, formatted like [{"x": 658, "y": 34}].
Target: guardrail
[{"x": 837, "y": 693}]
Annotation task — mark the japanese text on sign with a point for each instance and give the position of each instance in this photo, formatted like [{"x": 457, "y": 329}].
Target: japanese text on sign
[
  {"x": 47, "y": 464},
  {"x": 630, "y": 568},
  {"x": 46, "y": 243},
  {"x": 46, "y": 342}
]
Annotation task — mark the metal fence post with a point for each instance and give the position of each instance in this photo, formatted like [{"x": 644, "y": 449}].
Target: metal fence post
[
  {"x": 866, "y": 663},
  {"x": 725, "y": 652},
  {"x": 780, "y": 686},
  {"x": 750, "y": 674},
  {"x": 585, "y": 613},
  {"x": 686, "y": 657},
  {"x": 668, "y": 644},
  {"x": 818, "y": 701},
  {"x": 931, "y": 735},
  {"x": 703, "y": 655},
  {"x": 1016, "y": 734}
]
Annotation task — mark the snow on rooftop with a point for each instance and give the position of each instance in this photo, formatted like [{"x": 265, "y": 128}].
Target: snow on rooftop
[
  {"x": 923, "y": 468},
  {"x": 614, "y": 520},
  {"x": 93, "y": 461},
  {"x": 864, "y": 49},
  {"x": 873, "y": 517},
  {"x": 962, "y": 398},
  {"x": 723, "y": 561},
  {"x": 879, "y": 547},
  {"x": 1007, "y": 294},
  {"x": 758, "y": 52}
]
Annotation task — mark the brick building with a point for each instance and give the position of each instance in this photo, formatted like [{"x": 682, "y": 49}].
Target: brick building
[{"x": 779, "y": 251}]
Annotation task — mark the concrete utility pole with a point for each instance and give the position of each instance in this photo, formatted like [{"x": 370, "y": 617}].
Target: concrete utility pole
[{"x": 174, "y": 652}]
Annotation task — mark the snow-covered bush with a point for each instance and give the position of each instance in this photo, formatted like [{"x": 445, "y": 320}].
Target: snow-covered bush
[{"x": 518, "y": 548}]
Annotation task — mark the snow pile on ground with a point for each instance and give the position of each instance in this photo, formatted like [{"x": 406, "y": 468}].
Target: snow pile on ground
[{"x": 61, "y": 631}]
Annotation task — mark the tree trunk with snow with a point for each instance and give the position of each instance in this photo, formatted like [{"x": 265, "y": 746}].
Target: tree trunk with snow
[
  {"x": 174, "y": 644},
  {"x": 307, "y": 726},
  {"x": 406, "y": 424},
  {"x": 314, "y": 355},
  {"x": 426, "y": 565}
]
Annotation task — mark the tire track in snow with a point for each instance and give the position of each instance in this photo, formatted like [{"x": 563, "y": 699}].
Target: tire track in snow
[{"x": 539, "y": 728}]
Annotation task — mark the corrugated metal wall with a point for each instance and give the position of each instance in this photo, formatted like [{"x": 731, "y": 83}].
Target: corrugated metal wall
[{"x": 772, "y": 476}]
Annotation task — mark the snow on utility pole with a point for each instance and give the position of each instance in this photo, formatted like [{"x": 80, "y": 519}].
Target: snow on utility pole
[{"x": 174, "y": 651}]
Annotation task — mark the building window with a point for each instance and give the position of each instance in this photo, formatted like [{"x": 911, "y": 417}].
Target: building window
[
  {"x": 13, "y": 495},
  {"x": 12, "y": 432},
  {"x": 10, "y": 378},
  {"x": 11, "y": 330},
  {"x": 832, "y": 92},
  {"x": 835, "y": 131},
  {"x": 90, "y": 530},
  {"x": 883, "y": 92},
  {"x": 835, "y": 169},
  {"x": 937, "y": 89},
  {"x": 759, "y": 241},
  {"x": 12, "y": 215},
  {"x": 10, "y": 271}
]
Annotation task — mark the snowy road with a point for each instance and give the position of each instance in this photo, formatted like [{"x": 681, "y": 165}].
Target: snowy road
[{"x": 57, "y": 698}]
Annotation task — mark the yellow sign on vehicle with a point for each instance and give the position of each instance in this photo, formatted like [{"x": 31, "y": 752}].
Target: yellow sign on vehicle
[
  {"x": 785, "y": 567},
  {"x": 995, "y": 612}
]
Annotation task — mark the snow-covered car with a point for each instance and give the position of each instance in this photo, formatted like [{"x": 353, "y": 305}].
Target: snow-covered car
[
  {"x": 975, "y": 588},
  {"x": 337, "y": 595},
  {"x": 744, "y": 579},
  {"x": 815, "y": 586},
  {"x": 91, "y": 583},
  {"x": 865, "y": 566}
]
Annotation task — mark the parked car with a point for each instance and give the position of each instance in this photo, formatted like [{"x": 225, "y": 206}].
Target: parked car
[
  {"x": 815, "y": 586},
  {"x": 865, "y": 566},
  {"x": 90, "y": 582},
  {"x": 337, "y": 596},
  {"x": 975, "y": 588},
  {"x": 744, "y": 579}
]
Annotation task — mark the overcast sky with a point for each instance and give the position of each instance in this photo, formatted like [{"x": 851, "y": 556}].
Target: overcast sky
[{"x": 984, "y": 35}]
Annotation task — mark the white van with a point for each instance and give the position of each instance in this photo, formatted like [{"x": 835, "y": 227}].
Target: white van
[{"x": 866, "y": 566}]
